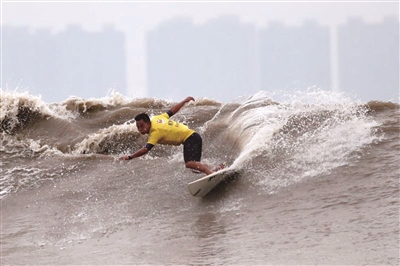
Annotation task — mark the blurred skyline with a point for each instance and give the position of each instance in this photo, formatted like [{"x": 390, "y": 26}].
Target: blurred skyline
[{"x": 137, "y": 19}]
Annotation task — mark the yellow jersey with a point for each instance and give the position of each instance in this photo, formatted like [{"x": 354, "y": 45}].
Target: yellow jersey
[{"x": 166, "y": 131}]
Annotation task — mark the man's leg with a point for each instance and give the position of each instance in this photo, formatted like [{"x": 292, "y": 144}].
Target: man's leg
[
  {"x": 192, "y": 149},
  {"x": 198, "y": 166}
]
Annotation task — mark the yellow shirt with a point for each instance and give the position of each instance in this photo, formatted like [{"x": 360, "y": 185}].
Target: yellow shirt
[{"x": 166, "y": 131}]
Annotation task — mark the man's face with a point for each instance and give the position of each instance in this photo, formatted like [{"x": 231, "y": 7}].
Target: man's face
[{"x": 143, "y": 127}]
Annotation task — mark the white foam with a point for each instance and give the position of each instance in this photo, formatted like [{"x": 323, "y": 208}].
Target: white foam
[
  {"x": 111, "y": 99},
  {"x": 327, "y": 128},
  {"x": 344, "y": 129},
  {"x": 19, "y": 177},
  {"x": 93, "y": 140},
  {"x": 13, "y": 101}
]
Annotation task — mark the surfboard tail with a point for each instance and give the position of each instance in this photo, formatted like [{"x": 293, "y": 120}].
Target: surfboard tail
[{"x": 202, "y": 186}]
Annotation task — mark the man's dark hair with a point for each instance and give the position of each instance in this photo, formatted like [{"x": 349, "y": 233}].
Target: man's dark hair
[{"x": 143, "y": 116}]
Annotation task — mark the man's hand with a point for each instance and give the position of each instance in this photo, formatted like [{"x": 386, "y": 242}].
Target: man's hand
[
  {"x": 188, "y": 99},
  {"x": 178, "y": 107},
  {"x": 139, "y": 153}
]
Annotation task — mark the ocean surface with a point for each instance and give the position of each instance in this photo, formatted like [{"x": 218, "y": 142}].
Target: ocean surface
[{"x": 319, "y": 182}]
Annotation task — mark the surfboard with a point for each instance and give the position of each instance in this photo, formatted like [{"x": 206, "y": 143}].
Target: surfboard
[{"x": 202, "y": 186}]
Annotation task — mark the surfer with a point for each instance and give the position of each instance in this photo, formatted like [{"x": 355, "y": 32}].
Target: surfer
[{"x": 162, "y": 130}]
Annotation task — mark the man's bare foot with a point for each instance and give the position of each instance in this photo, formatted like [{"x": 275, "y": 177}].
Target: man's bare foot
[
  {"x": 219, "y": 167},
  {"x": 214, "y": 168}
]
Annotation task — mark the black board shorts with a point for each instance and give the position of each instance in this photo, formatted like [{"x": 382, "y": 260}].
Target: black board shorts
[{"x": 192, "y": 148}]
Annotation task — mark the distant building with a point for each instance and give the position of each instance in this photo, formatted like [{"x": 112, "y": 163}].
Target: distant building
[
  {"x": 18, "y": 51},
  {"x": 369, "y": 59},
  {"x": 172, "y": 59},
  {"x": 229, "y": 58},
  {"x": 295, "y": 57},
  {"x": 216, "y": 60},
  {"x": 71, "y": 63}
]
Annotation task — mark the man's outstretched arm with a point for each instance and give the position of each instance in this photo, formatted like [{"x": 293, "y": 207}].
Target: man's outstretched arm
[
  {"x": 178, "y": 107},
  {"x": 139, "y": 153}
]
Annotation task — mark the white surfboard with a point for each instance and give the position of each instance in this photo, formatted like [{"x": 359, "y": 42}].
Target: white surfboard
[{"x": 202, "y": 186}]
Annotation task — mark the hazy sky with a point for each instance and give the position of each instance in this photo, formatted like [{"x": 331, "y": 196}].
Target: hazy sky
[{"x": 135, "y": 18}]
